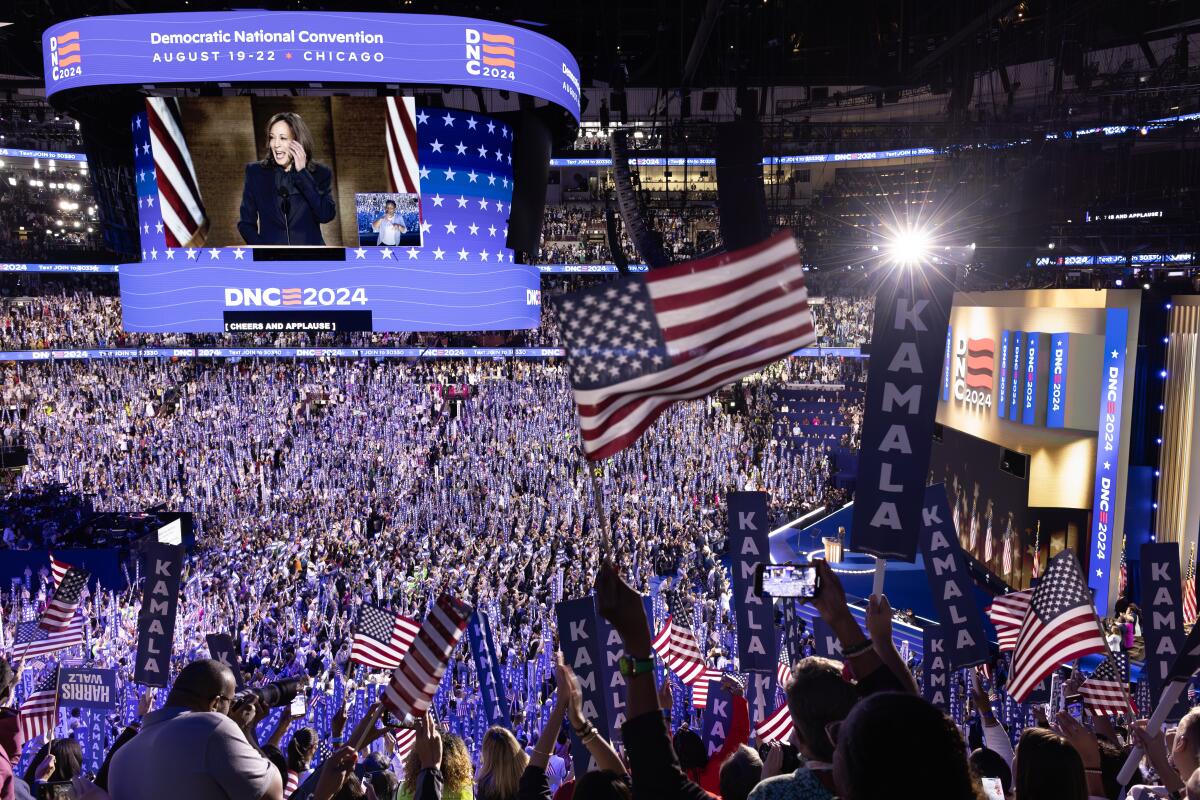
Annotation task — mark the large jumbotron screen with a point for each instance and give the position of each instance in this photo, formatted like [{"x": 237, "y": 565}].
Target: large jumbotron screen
[{"x": 318, "y": 210}]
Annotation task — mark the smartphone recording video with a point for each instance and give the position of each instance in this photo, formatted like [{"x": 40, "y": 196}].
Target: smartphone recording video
[{"x": 787, "y": 580}]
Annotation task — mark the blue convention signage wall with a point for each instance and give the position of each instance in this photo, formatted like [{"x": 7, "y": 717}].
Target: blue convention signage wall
[
  {"x": 1108, "y": 446},
  {"x": 306, "y": 46}
]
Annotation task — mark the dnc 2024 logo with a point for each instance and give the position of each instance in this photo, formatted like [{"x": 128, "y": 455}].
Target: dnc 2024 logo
[
  {"x": 974, "y": 370},
  {"x": 66, "y": 60},
  {"x": 491, "y": 55}
]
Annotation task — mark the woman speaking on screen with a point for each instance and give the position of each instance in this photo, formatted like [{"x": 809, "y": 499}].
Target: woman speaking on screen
[{"x": 287, "y": 195}]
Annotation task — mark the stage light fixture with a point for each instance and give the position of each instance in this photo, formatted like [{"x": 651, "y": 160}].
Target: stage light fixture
[{"x": 909, "y": 246}]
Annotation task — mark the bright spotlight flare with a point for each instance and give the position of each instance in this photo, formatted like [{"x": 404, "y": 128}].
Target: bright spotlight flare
[{"x": 910, "y": 246}]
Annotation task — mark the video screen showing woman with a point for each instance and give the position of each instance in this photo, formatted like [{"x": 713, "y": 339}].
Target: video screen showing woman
[{"x": 287, "y": 195}]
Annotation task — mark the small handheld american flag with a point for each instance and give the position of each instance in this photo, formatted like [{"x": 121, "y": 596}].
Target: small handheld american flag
[
  {"x": 61, "y": 609},
  {"x": 778, "y": 727},
  {"x": 1007, "y": 613},
  {"x": 1061, "y": 626},
  {"x": 1106, "y": 692},
  {"x": 676, "y": 645},
  {"x": 381, "y": 638},
  {"x": 639, "y": 344},
  {"x": 39, "y": 712},
  {"x": 415, "y": 681}
]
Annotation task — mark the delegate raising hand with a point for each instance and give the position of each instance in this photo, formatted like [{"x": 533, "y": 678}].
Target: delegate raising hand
[{"x": 621, "y": 605}]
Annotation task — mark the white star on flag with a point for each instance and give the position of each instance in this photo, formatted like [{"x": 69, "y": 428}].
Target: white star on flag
[
  {"x": 471, "y": 123},
  {"x": 461, "y": 148},
  {"x": 214, "y": 254},
  {"x": 437, "y": 200},
  {"x": 191, "y": 254},
  {"x": 238, "y": 254},
  {"x": 422, "y": 118},
  {"x": 462, "y": 254},
  {"x": 412, "y": 253},
  {"x": 435, "y": 146},
  {"x": 451, "y": 227},
  {"x": 438, "y": 254},
  {"x": 387, "y": 252},
  {"x": 474, "y": 229},
  {"x": 449, "y": 173},
  {"x": 360, "y": 252},
  {"x": 449, "y": 120}
]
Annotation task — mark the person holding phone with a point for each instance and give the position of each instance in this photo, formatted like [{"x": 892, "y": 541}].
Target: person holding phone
[{"x": 286, "y": 195}]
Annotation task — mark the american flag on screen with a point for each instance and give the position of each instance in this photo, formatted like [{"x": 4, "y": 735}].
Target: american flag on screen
[
  {"x": 1105, "y": 693},
  {"x": 1060, "y": 626},
  {"x": 676, "y": 645},
  {"x": 58, "y": 570},
  {"x": 639, "y": 344},
  {"x": 31, "y": 640},
  {"x": 701, "y": 686},
  {"x": 464, "y": 171},
  {"x": 65, "y": 601},
  {"x": 401, "y": 131},
  {"x": 1007, "y": 613},
  {"x": 179, "y": 200},
  {"x": 415, "y": 681},
  {"x": 381, "y": 638},
  {"x": 777, "y": 727},
  {"x": 39, "y": 712}
]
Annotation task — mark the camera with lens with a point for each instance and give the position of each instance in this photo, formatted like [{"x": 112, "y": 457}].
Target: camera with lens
[{"x": 272, "y": 695}]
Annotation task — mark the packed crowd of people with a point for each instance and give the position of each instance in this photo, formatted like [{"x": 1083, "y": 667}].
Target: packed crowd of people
[{"x": 60, "y": 314}]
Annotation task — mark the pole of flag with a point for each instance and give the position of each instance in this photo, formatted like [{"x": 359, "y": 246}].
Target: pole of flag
[
  {"x": 877, "y": 582},
  {"x": 1166, "y": 702},
  {"x": 598, "y": 502}
]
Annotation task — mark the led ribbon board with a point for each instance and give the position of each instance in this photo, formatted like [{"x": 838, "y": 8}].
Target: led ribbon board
[{"x": 308, "y": 46}]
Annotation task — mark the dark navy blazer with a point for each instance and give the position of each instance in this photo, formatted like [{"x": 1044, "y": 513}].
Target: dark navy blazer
[{"x": 309, "y": 195}]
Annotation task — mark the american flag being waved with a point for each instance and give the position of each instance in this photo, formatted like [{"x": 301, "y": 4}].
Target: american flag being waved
[
  {"x": 39, "y": 712},
  {"x": 31, "y": 641},
  {"x": 1189, "y": 590},
  {"x": 1060, "y": 626},
  {"x": 676, "y": 645},
  {"x": 179, "y": 199},
  {"x": 58, "y": 570},
  {"x": 415, "y": 681},
  {"x": 638, "y": 344},
  {"x": 381, "y": 638},
  {"x": 67, "y": 595},
  {"x": 1105, "y": 693},
  {"x": 777, "y": 727},
  {"x": 1007, "y": 613},
  {"x": 700, "y": 687}
]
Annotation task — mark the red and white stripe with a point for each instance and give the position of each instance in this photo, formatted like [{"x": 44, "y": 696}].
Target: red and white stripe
[
  {"x": 700, "y": 687},
  {"x": 184, "y": 219},
  {"x": 784, "y": 674},
  {"x": 1007, "y": 613},
  {"x": 721, "y": 317},
  {"x": 51, "y": 643},
  {"x": 39, "y": 713},
  {"x": 414, "y": 682},
  {"x": 1189, "y": 596},
  {"x": 58, "y": 570},
  {"x": 405, "y": 738},
  {"x": 679, "y": 650},
  {"x": 371, "y": 652},
  {"x": 403, "y": 169},
  {"x": 293, "y": 783},
  {"x": 1105, "y": 698},
  {"x": 776, "y": 728},
  {"x": 1042, "y": 648}
]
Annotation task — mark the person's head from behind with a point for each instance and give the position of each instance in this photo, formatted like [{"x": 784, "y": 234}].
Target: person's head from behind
[
  {"x": 740, "y": 773},
  {"x": 283, "y": 129},
  {"x": 988, "y": 763},
  {"x": 1047, "y": 767},
  {"x": 689, "y": 748},
  {"x": 891, "y": 735},
  {"x": 602, "y": 785},
  {"x": 501, "y": 762},
  {"x": 1185, "y": 748},
  {"x": 818, "y": 696},
  {"x": 204, "y": 685},
  {"x": 384, "y": 783},
  {"x": 301, "y": 749},
  {"x": 68, "y": 760}
]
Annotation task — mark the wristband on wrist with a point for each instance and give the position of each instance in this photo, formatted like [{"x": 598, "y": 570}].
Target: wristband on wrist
[{"x": 857, "y": 649}]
